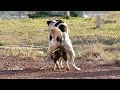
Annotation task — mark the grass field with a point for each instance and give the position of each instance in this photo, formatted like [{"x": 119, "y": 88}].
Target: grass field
[{"x": 88, "y": 42}]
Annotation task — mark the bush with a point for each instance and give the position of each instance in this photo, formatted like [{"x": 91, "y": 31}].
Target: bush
[
  {"x": 109, "y": 42},
  {"x": 73, "y": 14},
  {"x": 38, "y": 14},
  {"x": 117, "y": 62}
]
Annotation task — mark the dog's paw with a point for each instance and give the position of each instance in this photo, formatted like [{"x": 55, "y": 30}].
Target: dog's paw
[
  {"x": 68, "y": 69},
  {"x": 62, "y": 67},
  {"x": 78, "y": 69}
]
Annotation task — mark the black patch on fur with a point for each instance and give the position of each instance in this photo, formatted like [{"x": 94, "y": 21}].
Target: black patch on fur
[
  {"x": 57, "y": 56},
  {"x": 50, "y": 37},
  {"x": 62, "y": 28},
  {"x": 64, "y": 55},
  {"x": 59, "y": 39},
  {"x": 60, "y": 52},
  {"x": 59, "y": 21},
  {"x": 48, "y": 22}
]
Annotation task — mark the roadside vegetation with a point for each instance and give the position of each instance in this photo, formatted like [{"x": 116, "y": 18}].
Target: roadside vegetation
[{"x": 29, "y": 37}]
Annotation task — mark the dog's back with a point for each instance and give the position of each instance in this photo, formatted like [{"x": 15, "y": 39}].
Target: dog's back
[
  {"x": 59, "y": 24},
  {"x": 62, "y": 48}
]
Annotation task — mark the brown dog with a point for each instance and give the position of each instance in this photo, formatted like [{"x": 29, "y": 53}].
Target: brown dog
[{"x": 58, "y": 55}]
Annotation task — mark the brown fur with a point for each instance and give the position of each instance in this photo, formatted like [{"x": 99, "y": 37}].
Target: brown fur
[
  {"x": 55, "y": 32},
  {"x": 58, "y": 55}
]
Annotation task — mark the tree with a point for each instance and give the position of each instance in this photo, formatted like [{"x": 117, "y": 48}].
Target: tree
[
  {"x": 67, "y": 14},
  {"x": 19, "y": 14}
]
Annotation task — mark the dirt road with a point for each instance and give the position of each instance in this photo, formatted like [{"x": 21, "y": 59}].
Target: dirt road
[{"x": 26, "y": 68}]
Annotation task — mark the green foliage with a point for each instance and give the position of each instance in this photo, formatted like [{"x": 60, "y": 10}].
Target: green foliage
[
  {"x": 109, "y": 42},
  {"x": 73, "y": 14},
  {"x": 38, "y": 14}
]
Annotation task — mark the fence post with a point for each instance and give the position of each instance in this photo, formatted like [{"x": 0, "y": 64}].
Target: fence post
[{"x": 98, "y": 21}]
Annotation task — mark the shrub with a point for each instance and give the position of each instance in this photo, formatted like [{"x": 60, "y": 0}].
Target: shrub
[
  {"x": 109, "y": 42},
  {"x": 38, "y": 14},
  {"x": 117, "y": 62},
  {"x": 73, "y": 14}
]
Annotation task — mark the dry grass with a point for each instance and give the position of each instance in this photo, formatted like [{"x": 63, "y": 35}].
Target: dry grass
[{"x": 88, "y": 42}]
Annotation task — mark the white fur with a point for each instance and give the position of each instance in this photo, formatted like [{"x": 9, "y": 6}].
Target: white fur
[{"x": 66, "y": 43}]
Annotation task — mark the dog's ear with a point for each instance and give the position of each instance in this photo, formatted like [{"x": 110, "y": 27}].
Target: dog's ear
[{"x": 48, "y": 22}]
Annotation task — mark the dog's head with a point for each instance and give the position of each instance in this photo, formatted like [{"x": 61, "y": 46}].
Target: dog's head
[
  {"x": 57, "y": 23},
  {"x": 54, "y": 21}
]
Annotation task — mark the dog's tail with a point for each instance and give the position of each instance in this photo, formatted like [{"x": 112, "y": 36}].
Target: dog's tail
[{"x": 56, "y": 34}]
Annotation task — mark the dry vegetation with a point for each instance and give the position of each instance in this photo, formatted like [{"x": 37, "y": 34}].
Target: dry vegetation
[{"x": 89, "y": 43}]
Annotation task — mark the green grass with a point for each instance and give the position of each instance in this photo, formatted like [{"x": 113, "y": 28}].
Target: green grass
[{"x": 84, "y": 36}]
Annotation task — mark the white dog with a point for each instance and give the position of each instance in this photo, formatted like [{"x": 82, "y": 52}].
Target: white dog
[{"x": 58, "y": 36}]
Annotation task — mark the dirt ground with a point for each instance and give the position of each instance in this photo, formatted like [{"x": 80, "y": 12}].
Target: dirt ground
[{"x": 27, "y": 68}]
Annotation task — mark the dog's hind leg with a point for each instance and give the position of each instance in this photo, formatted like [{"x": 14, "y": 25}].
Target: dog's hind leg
[
  {"x": 64, "y": 55},
  {"x": 56, "y": 57},
  {"x": 68, "y": 67},
  {"x": 66, "y": 60},
  {"x": 57, "y": 65},
  {"x": 61, "y": 63},
  {"x": 54, "y": 67},
  {"x": 72, "y": 57}
]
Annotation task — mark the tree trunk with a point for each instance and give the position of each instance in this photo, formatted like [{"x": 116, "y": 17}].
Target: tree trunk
[
  {"x": 67, "y": 14},
  {"x": 20, "y": 14}
]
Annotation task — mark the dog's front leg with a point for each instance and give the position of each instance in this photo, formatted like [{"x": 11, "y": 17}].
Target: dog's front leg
[{"x": 57, "y": 65}]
